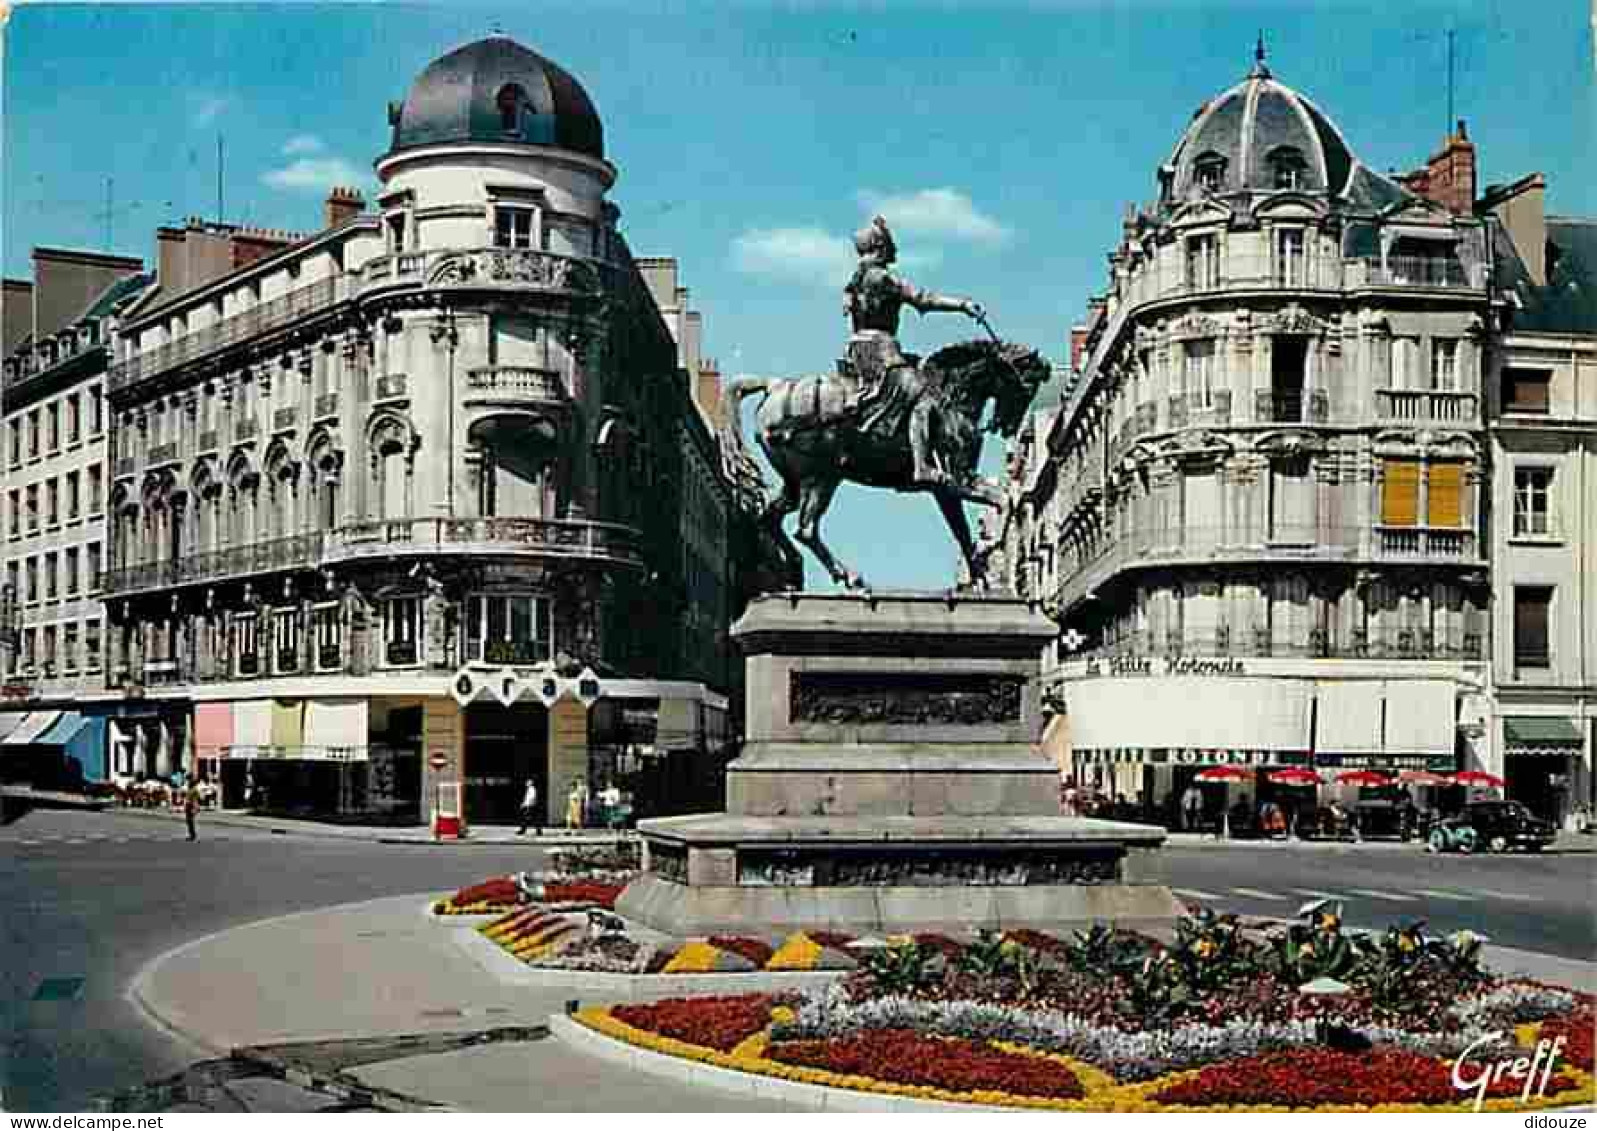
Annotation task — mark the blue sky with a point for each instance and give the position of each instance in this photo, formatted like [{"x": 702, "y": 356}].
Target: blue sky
[{"x": 1004, "y": 139}]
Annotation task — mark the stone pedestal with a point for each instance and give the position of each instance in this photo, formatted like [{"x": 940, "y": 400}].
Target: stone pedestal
[{"x": 890, "y": 782}]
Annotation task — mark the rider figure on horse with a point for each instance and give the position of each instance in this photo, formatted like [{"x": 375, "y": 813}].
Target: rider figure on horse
[{"x": 872, "y": 301}]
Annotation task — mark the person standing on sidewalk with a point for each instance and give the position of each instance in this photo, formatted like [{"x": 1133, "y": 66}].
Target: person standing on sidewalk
[
  {"x": 529, "y": 810},
  {"x": 1192, "y": 807},
  {"x": 191, "y": 807}
]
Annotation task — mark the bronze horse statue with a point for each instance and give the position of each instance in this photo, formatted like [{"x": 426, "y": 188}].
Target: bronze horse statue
[{"x": 929, "y": 419}]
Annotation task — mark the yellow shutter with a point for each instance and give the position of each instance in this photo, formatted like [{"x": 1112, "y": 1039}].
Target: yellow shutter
[
  {"x": 1446, "y": 503},
  {"x": 1400, "y": 493}
]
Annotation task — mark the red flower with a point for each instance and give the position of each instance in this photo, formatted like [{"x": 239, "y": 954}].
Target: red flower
[
  {"x": 720, "y": 1023},
  {"x": 1576, "y": 1028},
  {"x": 582, "y": 891},
  {"x": 903, "y": 1056},
  {"x": 500, "y": 889},
  {"x": 1309, "y": 1077},
  {"x": 833, "y": 939}
]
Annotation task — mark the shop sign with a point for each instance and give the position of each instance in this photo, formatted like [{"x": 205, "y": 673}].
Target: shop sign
[
  {"x": 588, "y": 689},
  {"x": 506, "y": 685},
  {"x": 464, "y": 686},
  {"x": 1165, "y": 666},
  {"x": 1435, "y": 763},
  {"x": 1189, "y": 756}
]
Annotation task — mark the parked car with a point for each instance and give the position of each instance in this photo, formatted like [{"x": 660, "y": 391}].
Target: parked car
[
  {"x": 1451, "y": 834},
  {"x": 1501, "y": 825}
]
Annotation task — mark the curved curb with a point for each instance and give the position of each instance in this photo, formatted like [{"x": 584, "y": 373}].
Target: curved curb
[
  {"x": 139, "y": 995},
  {"x": 767, "y": 1088}
]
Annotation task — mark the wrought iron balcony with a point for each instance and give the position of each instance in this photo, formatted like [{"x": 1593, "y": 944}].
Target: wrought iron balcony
[
  {"x": 1419, "y": 271},
  {"x": 276, "y": 314},
  {"x": 1450, "y": 542},
  {"x": 1297, "y": 407},
  {"x": 1426, "y": 406},
  {"x": 296, "y": 551},
  {"x": 569, "y": 538}
]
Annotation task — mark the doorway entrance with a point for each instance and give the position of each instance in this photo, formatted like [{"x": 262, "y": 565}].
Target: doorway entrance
[{"x": 504, "y": 747}]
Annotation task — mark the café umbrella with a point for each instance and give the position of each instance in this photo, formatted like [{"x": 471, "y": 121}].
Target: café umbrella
[
  {"x": 1295, "y": 776},
  {"x": 1479, "y": 778},
  {"x": 1421, "y": 777},
  {"x": 1225, "y": 774},
  {"x": 1362, "y": 777}
]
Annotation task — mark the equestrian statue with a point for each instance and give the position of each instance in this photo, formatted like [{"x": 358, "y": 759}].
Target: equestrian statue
[{"x": 887, "y": 418}]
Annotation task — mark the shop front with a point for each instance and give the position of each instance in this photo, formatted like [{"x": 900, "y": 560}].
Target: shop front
[{"x": 1543, "y": 764}]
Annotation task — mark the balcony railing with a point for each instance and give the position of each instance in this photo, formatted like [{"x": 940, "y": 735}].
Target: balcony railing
[
  {"x": 1448, "y": 542},
  {"x": 556, "y": 537},
  {"x": 1310, "y": 407},
  {"x": 1427, "y": 406},
  {"x": 1418, "y": 271},
  {"x": 571, "y": 538},
  {"x": 1269, "y": 643},
  {"x": 518, "y": 383},
  {"x": 268, "y": 316},
  {"x": 484, "y": 267}
]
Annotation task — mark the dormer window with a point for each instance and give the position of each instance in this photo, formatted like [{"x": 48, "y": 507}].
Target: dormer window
[
  {"x": 1287, "y": 167},
  {"x": 1209, "y": 171},
  {"x": 513, "y": 227},
  {"x": 510, "y": 100}
]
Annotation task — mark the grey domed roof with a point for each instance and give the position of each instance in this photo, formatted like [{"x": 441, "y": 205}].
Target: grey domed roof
[
  {"x": 1247, "y": 133},
  {"x": 495, "y": 90}
]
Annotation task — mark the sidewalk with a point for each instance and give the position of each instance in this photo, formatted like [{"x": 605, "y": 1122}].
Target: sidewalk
[
  {"x": 1567, "y": 844},
  {"x": 499, "y": 835},
  {"x": 386, "y": 969}
]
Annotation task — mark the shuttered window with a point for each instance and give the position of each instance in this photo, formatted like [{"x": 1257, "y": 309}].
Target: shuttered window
[
  {"x": 1531, "y": 605},
  {"x": 1445, "y": 502},
  {"x": 1400, "y": 493}
]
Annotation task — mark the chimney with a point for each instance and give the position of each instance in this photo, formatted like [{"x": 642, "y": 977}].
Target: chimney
[
  {"x": 170, "y": 263},
  {"x": 707, "y": 391},
  {"x": 1078, "y": 346},
  {"x": 1448, "y": 178},
  {"x": 343, "y": 205},
  {"x": 1522, "y": 210}
]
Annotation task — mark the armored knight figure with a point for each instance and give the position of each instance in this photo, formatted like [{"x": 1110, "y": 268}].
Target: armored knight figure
[{"x": 873, "y": 299}]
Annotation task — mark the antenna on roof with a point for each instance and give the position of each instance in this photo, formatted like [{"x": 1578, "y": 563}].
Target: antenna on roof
[{"x": 1260, "y": 70}]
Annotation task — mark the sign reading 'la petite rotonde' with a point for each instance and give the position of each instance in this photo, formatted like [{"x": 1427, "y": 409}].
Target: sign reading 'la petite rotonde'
[{"x": 1165, "y": 666}]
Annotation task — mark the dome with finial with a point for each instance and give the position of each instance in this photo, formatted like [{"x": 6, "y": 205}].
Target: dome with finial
[
  {"x": 1262, "y": 136},
  {"x": 495, "y": 90}
]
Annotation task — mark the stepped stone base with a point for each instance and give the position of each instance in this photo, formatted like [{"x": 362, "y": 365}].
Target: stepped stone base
[{"x": 891, "y": 782}]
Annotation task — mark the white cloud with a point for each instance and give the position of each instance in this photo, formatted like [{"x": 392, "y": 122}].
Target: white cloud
[
  {"x": 313, "y": 174},
  {"x": 811, "y": 255},
  {"x": 206, "y": 108},
  {"x": 944, "y": 213},
  {"x": 303, "y": 143}
]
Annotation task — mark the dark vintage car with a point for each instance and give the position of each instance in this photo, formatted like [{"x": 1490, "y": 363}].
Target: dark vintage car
[{"x": 1501, "y": 825}]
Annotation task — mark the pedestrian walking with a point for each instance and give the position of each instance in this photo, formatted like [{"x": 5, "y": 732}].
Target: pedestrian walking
[
  {"x": 576, "y": 804},
  {"x": 1192, "y": 807},
  {"x": 529, "y": 810},
  {"x": 191, "y": 807}
]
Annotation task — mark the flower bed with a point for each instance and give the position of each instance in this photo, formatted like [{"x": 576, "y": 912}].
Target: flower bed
[
  {"x": 1309, "y": 1018},
  {"x": 486, "y": 898},
  {"x": 586, "y": 892}
]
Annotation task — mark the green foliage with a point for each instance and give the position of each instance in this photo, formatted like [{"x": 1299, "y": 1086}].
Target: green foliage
[
  {"x": 1157, "y": 990},
  {"x": 902, "y": 967},
  {"x": 1210, "y": 951},
  {"x": 1103, "y": 950},
  {"x": 1315, "y": 948}
]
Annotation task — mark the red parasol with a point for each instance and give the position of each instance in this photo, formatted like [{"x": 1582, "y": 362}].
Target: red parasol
[
  {"x": 1225, "y": 773},
  {"x": 1295, "y": 776},
  {"x": 1421, "y": 777},
  {"x": 1362, "y": 777},
  {"x": 1477, "y": 777}
]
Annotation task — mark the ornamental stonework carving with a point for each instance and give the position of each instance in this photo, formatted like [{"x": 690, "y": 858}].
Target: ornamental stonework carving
[{"x": 904, "y": 699}]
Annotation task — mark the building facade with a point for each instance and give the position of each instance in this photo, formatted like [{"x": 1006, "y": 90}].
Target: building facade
[
  {"x": 420, "y": 506},
  {"x": 1541, "y": 402},
  {"x": 1257, "y": 515},
  {"x": 57, "y": 481}
]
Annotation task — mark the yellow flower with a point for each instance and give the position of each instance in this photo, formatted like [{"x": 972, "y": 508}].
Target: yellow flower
[
  {"x": 783, "y": 1015},
  {"x": 1329, "y": 922},
  {"x": 1307, "y": 950},
  {"x": 798, "y": 952},
  {"x": 695, "y": 957},
  {"x": 1407, "y": 943},
  {"x": 1206, "y": 948}
]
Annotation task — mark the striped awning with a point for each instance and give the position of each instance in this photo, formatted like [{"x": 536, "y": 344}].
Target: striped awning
[
  {"x": 1551, "y": 735},
  {"x": 31, "y": 728}
]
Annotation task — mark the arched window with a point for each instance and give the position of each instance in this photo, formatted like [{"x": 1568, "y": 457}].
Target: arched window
[
  {"x": 510, "y": 100},
  {"x": 1287, "y": 167},
  {"x": 1209, "y": 171}
]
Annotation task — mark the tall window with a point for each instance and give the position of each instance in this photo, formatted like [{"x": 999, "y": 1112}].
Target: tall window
[
  {"x": 1444, "y": 497},
  {"x": 74, "y": 495},
  {"x": 1203, "y": 262},
  {"x": 509, "y": 102},
  {"x": 32, "y": 586},
  {"x": 402, "y": 631},
  {"x": 16, "y": 442},
  {"x": 396, "y": 232},
  {"x": 16, "y": 512},
  {"x": 508, "y": 629},
  {"x": 96, "y": 497},
  {"x": 1444, "y": 364},
  {"x": 326, "y": 626},
  {"x": 1526, "y": 390},
  {"x": 52, "y": 503},
  {"x": 50, "y": 574},
  {"x": 1400, "y": 493},
  {"x": 33, "y": 507},
  {"x": 91, "y": 644},
  {"x": 33, "y": 434},
  {"x": 1200, "y": 373},
  {"x": 1289, "y": 261},
  {"x": 1533, "y": 489},
  {"x": 1531, "y": 607},
  {"x": 72, "y": 567},
  {"x": 1405, "y": 364},
  {"x": 69, "y": 647},
  {"x": 74, "y": 419},
  {"x": 92, "y": 562},
  {"x": 513, "y": 227},
  {"x": 246, "y": 633},
  {"x": 96, "y": 411},
  {"x": 285, "y": 641},
  {"x": 53, "y": 422}
]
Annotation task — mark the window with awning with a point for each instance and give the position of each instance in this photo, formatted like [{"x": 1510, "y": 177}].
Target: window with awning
[
  {"x": 336, "y": 729},
  {"x": 1541, "y": 734}
]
